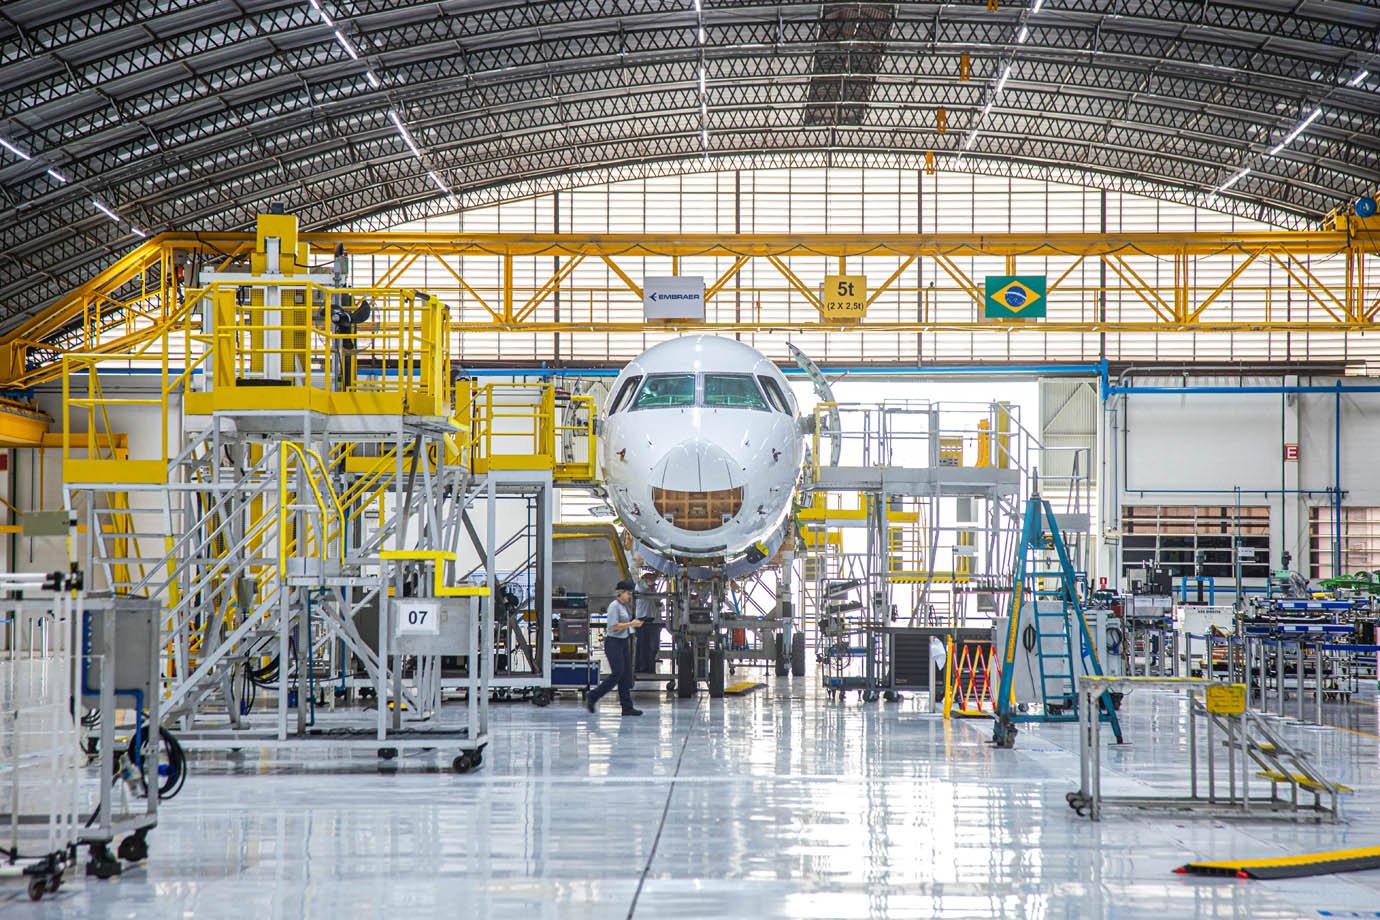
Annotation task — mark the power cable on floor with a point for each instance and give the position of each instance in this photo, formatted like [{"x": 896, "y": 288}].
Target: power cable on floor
[{"x": 632, "y": 908}]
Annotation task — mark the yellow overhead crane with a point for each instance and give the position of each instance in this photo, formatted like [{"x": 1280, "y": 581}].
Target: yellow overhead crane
[{"x": 1197, "y": 282}]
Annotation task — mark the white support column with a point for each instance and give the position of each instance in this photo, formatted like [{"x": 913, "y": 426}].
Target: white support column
[{"x": 1290, "y": 532}]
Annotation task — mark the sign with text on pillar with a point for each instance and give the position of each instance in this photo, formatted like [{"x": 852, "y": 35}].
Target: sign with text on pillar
[
  {"x": 673, "y": 297},
  {"x": 845, "y": 296},
  {"x": 1015, "y": 297},
  {"x": 1291, "y": 453}
]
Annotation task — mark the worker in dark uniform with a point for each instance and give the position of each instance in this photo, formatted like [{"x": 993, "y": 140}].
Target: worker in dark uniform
[
  {"x": 649, "y": 634},
  {"x": 618, "y": 647}
]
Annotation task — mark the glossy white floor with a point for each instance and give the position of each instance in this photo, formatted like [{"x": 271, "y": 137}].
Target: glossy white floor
[{"x": 777, "y": 804}]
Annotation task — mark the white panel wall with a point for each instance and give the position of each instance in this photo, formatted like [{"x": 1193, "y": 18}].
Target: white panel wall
[{"x": 1198, "y": 449}]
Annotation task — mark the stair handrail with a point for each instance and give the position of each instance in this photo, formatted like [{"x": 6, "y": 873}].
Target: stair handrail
[{"x": 305, "y": 457}]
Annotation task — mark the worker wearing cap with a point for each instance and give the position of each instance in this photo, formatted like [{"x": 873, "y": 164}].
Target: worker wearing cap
[
  {"x": 618, "y": 645},
  {"x": 649, "y": 613}
]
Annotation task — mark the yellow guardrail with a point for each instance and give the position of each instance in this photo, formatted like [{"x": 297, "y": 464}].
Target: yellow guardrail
[
  {"x": 513, "y": 426},
  {"x": 272, "y": 344},
  {"x": 304, "y": 455}
]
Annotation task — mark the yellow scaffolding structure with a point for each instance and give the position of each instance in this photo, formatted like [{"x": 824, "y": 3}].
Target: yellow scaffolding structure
[{"x": 1204, "y": 274}]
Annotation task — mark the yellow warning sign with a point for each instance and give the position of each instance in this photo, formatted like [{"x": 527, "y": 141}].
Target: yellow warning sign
[
  {"x": 1226, "y": 699},
  {"x": 845, "y": 296}
]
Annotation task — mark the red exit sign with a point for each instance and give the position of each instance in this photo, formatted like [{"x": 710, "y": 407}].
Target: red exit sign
[{"x": 1291, "y": 453}]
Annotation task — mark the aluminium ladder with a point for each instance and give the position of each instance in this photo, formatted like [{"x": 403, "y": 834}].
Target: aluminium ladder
[{"x": 1054, "y": 614}]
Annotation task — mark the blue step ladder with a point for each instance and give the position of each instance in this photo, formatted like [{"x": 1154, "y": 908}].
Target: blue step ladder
[{"x": 1056, "y": 611}]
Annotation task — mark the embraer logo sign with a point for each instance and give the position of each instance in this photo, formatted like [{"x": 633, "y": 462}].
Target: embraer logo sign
[{"x": 673, "y": 297}]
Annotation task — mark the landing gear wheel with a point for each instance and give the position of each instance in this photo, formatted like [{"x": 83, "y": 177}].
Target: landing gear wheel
[
  {"x": 467, "y": 761},
  {"x": 102, "y": 864},
  {"x": 542, "y": 696},
  {"x": 798, "y": 655},
  {"x": 685, "y": 672},
  {"x": 36, "y": 888},
  {"x": 782, "y": 656},
  {"x": 134, "y": 848},
  {"x": 716, "y": 673},
  {"x": 891, "y": 696}
]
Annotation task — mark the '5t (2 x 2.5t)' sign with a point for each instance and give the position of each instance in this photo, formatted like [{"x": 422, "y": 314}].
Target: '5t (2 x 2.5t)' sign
[{"x": 845, "y": 296}]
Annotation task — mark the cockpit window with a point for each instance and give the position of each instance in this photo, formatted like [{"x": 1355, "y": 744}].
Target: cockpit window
[
  {"x": 774, "y": 395},
  {"x": 625, "y": 391},
  {"x": 737, "y": 391},
  {"x": 666, "y": 390}
]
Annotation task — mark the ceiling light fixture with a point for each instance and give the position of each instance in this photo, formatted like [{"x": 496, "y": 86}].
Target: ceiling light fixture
[
  {"x": 403, "y": 133},
  {"x": 57, "y": 175},
  {"x": 106, "y": 211},
  {"x": 1232, "y": 181},
  {"x": 1035, "y": 7},
  {"x": 1358, "y": 79},
  {"x": 14, "y": 150},
  {"x": 1005, "y": 75},
  {"x": 344, "y": 43},
  {"x": 322, "y": 13},
  {"x": 1296, "y": 132},
  {"x": 1022, "y": 35}
]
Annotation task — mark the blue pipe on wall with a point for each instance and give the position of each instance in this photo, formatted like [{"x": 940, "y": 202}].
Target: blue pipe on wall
[{"x": 1335, "y": 389}]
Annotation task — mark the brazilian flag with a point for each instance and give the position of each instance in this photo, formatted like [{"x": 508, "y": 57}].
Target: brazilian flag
[{"x": 1015, "y": 297}]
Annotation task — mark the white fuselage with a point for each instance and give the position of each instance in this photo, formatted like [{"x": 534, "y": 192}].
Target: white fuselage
[{"x": 701, "y": 447}]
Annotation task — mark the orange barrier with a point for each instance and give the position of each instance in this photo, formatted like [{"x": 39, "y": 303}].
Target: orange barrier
[{"x": 971, "y": 681}]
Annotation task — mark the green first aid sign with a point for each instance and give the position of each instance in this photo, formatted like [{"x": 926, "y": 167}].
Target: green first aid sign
[{"x": 1015, "y": 297}]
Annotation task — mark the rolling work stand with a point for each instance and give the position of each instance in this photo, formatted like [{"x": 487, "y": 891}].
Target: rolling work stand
[
  {"x": 40, "y": 754},
  {"x": 1055, "y": 611}
]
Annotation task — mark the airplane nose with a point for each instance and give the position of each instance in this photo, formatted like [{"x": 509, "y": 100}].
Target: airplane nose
[
  {"x": 697, "y": 486},
  {"x": 697, "y": 466}
]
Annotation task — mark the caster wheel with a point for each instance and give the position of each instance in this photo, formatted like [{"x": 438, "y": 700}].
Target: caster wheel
[
  {"x": 542, "y": 697},
  {"x": 869, "y": 696},
  {"x": 102, "y": 864},
  {"x": 891, "y": 696},
  {"x": 388, "y": 753},
  {"x": 134, "y": 848},
  {"x": 54, "y": 883},
  {"x": 467, "y": 761},
  {"x": 36, "y": 888}
]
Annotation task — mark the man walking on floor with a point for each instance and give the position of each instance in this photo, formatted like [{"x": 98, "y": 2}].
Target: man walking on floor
[{"x": 618, "y": 648}]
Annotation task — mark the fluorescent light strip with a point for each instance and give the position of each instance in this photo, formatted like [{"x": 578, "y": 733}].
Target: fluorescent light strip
[
  {"x": 1233, "y": 180},
  {"x": 436, "y": 180},
  {"x": 1296, "y": 132},
  {"x": 14, "y": 150},
  {"x": 972, "y": 139},
  {"x": 1005, "y": 75},
  {"x": 57, "y": 175},
  {"x": 322, "y": 13},
  {"x": 1358, "y": 79},
  {"x": 701, "y": 80},
  {"x": 140, "y": 232},
  {"x": 1035, "y": 7},
  {"x": 373, "y": 80},
  {"x": 402, "y": 132},
  {"x": 1022, "y": 35},
  {"x": 344, "y": 43},
  {"x": 106, "y": 211}
]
